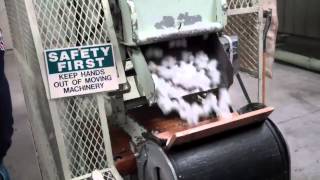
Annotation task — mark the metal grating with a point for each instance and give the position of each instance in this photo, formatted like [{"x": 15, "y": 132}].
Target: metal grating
[
  {"x": 239, "y": 4},
  {"x": 83, "y": 134},
  {"x": 247, "y": 28},
  {"x": 107, "y": 175},
  {"x": 66, "y": 24},
  {"x": 245, "y": 20},
  {"x": 70, "y": 23},
  {"x": 79, "y": 124}
]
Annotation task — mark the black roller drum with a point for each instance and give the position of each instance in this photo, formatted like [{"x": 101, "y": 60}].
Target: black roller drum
[{"x": 255, "y": 152}]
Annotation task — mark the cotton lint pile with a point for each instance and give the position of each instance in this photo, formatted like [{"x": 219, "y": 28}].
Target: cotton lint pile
[{"x": 193, "y": 73}]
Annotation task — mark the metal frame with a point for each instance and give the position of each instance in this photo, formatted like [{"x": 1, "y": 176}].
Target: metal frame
[
  {"x": 262, "y": 75},
  {"x": 114, "y": 41},
  {"x": 53, "y": 108},
  {"x": 242, "y": 7},
  {"x": 40, "y": 121},
  {"x": 106, "y": 134},
  {"x": 100, "y": 99}
]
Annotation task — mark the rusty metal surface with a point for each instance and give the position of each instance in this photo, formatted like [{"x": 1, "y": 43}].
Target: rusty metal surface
[
  {"x": 155, "y": 121},
  {"x": 125, "y": 159}
]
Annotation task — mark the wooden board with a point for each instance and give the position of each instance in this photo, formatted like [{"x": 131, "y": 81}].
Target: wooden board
[{"x": 176, "y": 131}]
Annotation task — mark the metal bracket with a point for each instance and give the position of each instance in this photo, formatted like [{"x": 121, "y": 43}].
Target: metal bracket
[{"x": 145, "y": 82}]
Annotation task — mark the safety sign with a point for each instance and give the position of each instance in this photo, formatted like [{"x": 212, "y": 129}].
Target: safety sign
[{"x": 81, "y": 70}]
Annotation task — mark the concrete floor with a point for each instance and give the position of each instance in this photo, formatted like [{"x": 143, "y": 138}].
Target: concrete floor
[{"x": 294, "y": 92}]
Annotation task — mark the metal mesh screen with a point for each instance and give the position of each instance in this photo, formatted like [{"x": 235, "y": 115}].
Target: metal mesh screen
[
  {"x": 63, "y": 23},
  {"x": 107, "y": 175},
  {"x": 246, "y": 27},
  {"x": 83, "y": 134},
  {"x": 243, "y": 21},
  {"x": 239, "y": 4},
  {"x": 73, "y": 23}
]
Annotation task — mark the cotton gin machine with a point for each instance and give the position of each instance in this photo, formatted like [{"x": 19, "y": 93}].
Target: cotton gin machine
[{"x": 175, "y": 120}]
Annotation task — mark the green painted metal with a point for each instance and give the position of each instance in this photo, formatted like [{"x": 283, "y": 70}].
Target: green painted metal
[
  {"x": 151, "y": 21},
  {"x": 145, "y": 82}
]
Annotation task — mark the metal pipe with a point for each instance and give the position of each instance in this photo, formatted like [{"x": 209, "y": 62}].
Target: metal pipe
[{"x": 298, "y": 60}]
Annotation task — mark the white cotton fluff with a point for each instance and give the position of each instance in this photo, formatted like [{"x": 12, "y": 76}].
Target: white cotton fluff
[
  {"x": 224, "y": 103},
  {"x": 176, "y": 78}
]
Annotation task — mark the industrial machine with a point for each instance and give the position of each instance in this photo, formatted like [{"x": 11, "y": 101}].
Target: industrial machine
[
  {"x": 150, "y": 145},
  {"x": 72, "y": 133}
]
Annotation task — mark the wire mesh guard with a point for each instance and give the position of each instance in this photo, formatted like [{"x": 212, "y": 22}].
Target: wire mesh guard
[
  {"x": 83, "y": 134},
  {"x": 107, "y": 175},
  {"x": 244, "y": 22},
  {"x": 71, "y": 23},
  {"x": 238, "y": 4},
  {"x": 66, "y": 24},
  {"x": 246, "y": 27}
]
